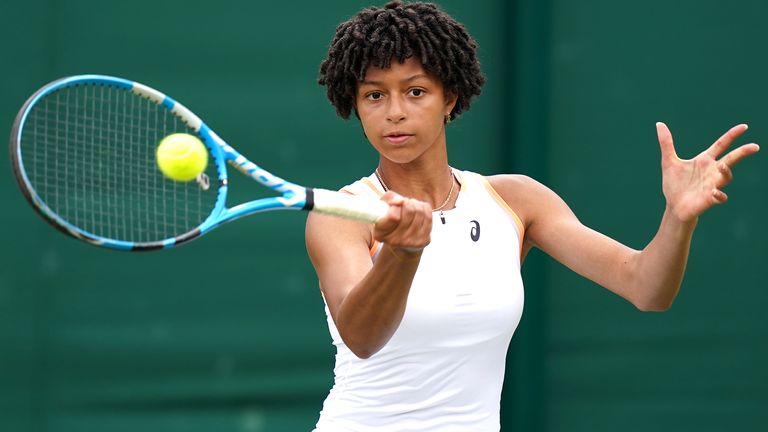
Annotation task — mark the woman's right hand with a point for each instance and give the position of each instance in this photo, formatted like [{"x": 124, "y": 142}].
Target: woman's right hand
[{"x": 407, "y": 225}]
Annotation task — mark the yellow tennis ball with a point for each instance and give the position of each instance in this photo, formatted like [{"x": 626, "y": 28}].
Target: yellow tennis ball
[{"x": 181, "y": 156}]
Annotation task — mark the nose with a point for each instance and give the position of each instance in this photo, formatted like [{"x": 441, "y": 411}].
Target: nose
[{"x": 396, "y": 110}]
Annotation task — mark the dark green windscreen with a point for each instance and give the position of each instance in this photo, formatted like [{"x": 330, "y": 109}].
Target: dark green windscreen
[{"x": 228, "y": 332}]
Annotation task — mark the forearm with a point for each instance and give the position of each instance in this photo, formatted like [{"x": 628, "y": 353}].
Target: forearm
[
  {"x": 659, "y": 268},
  {"x": 371, "y": 312}
]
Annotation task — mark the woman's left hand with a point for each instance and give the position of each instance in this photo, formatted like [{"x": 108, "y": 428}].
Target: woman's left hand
[{"x": 692, "y": 186}]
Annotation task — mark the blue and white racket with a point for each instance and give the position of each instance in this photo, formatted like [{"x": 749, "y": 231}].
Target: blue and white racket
[{"x": 83, "y": 153}]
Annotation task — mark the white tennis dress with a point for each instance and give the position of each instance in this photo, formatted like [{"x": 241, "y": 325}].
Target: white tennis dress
[{"x": 443, "y": 368}]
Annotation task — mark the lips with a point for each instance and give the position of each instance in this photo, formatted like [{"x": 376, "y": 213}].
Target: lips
[{"x": 397, "y": 137}]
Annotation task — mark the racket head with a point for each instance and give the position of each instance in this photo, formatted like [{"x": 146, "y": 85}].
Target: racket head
[{"x": 83, "y": 154}]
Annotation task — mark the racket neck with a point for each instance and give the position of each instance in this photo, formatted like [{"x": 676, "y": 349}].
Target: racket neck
[{"x": 250, "y": 169}]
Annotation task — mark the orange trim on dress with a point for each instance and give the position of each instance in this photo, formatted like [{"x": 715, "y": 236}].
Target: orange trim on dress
[
  {"x": 507, "y": 208},
  {"x": 350, "y": 189},
  {"x": 369, "y": 183},
  {"x": 377, "y": 245}
]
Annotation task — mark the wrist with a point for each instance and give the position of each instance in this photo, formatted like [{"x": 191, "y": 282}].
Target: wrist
[
  {"x": 672, "y": 216},
  {"x": 404, "y": 253}
]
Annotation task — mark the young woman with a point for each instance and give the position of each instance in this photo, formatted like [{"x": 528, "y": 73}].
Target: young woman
[{"x": 422, "y": 305}]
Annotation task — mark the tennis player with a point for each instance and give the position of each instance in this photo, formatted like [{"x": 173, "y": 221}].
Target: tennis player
[{"x": 422, "y": 306}]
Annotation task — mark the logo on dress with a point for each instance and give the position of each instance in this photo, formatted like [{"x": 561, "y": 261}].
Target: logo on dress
[{"x": 474, "y": 233}]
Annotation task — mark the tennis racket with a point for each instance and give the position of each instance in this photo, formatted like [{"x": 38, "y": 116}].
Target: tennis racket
[{"x": 83, "y": 154}]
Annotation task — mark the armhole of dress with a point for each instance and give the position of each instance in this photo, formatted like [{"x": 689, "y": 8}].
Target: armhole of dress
[{"x": 503, "y": 204}]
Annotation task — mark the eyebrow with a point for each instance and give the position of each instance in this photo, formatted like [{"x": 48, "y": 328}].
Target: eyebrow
[{"x": 409, "y": 79}]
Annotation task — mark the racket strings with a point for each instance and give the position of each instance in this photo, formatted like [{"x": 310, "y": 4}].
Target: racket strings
[{"x": 89, "y": 154}]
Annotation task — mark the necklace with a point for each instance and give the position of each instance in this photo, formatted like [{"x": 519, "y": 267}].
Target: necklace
[{"x": 440, "y": 208}]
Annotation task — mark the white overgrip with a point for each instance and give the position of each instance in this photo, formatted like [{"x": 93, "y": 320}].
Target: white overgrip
[{"x": 349, "y": 206}]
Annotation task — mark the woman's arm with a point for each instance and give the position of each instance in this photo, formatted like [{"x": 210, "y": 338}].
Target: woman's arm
[
  {"x": 367, "y": 301},
  {"x": 650, "y": 278}
]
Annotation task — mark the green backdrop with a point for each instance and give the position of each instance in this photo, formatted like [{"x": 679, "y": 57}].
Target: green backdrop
[{"x": 220, "y": 336}]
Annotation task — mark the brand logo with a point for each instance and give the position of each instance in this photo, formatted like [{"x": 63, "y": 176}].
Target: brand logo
[{"x": 474, "y": 233}]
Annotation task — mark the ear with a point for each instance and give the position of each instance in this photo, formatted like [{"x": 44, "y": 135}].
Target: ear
[{"x": 450, "y": 101}]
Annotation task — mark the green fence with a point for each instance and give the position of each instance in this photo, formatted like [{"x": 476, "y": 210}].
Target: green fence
[{"x": 218, "y": 336}]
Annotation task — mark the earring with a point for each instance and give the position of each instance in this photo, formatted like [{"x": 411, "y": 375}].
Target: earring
[{"x": 447, "y": 119}]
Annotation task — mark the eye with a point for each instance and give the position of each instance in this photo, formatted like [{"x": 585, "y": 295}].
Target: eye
[
  {"x": 417, "y": 92},
  {"x": 374, "y": 96}
]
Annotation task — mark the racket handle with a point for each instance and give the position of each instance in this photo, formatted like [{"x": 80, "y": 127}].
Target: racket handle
[{"x": 346, "y": 205}]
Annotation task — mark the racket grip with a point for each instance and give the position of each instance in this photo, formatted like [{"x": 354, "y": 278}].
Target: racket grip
[{"x": 347, "y": 206}]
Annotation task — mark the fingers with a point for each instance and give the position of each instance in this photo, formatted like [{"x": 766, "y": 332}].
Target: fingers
[
  {"x": 724, "y": 167},
  {"x": 722, "y": 143},
  {"x": 737, "y": 155},
  {"x": 393, "y": 198},
  {"x": 726, "y": 163},
  {"x": 390, "y": 220},
  {"x": 665, "y": 141},
  {"x": 715, "y": 150},
  {"x": 719, "y": 197},
  {"x": 407, "y": 225},
  {"x": 726, "y": 175}
]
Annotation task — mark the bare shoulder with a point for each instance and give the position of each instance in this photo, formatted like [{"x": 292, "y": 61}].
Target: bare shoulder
[
  {"x": 538, "y": 207},
  {"x": 339, "y": 250},
  {"x": 523, "y": 194},
  {"x": 517, "y": 183},
  {"x": 332, "y": 232},
  {"x": 327, "y": 233}
]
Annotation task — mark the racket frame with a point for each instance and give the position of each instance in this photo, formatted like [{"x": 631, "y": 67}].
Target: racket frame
[{"x": 292, "y": 196}]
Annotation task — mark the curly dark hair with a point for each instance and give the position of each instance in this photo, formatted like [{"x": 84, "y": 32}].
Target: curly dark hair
[{"x": 376, "y": 35}]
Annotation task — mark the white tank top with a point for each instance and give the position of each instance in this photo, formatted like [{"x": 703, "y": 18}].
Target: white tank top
[{"x": 443, "y": 368}]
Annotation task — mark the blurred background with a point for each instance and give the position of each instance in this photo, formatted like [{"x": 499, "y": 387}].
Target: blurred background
[{"x": 220, "y": 336}]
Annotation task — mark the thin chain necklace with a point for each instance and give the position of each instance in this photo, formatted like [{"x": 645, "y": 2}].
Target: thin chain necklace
[{"x": 440, "y": 208}]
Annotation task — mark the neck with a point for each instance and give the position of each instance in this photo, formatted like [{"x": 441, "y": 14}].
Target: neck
[{"x": 437, "y": 187}]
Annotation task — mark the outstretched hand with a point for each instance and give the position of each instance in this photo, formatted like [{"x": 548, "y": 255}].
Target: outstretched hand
[{"x": 694, "y": 185}]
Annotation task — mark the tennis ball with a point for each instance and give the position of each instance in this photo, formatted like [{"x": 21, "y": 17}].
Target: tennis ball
[{"x": 181, "y": 156}]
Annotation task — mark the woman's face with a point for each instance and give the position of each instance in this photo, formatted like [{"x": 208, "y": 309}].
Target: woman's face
[{"x": 402, "y": 109}]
